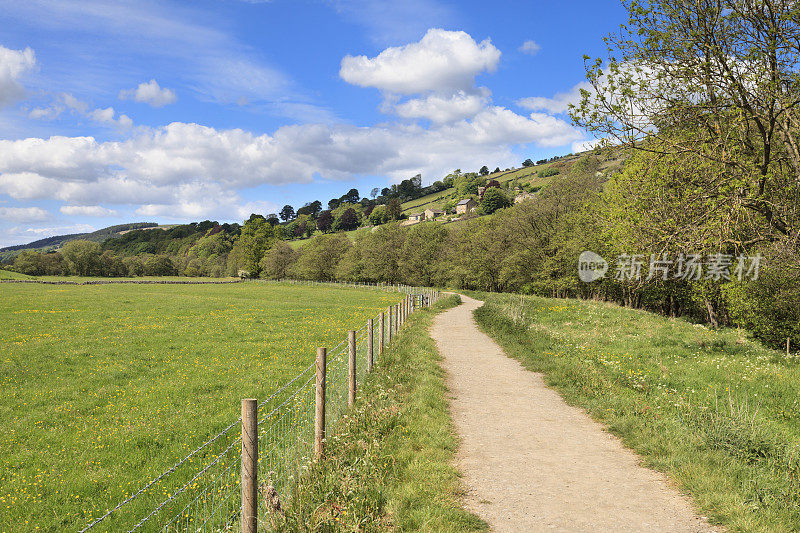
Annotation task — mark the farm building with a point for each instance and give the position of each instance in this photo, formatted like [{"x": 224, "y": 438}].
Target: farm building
[
  {"x": 416, "y": 217},
  {"x": 430, "y": 214},
  {"x": 465, "y": 206}
]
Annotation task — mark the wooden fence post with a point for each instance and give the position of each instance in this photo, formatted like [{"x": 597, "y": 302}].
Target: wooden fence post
[
  {"x": 351, "y": 343},
  {"x": 380, "y": 333},
  {"x": 370, "y": 344},
  {"x": 319, "y": 413},
  {"x": 249, "y": 514},
  {"x": 388, "y": 324}
]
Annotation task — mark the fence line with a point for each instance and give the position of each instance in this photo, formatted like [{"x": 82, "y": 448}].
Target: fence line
[{"x": 201, "y": 492}]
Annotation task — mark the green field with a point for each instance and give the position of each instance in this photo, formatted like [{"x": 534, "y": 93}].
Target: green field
[
  {"x": 105, "y": 386},
  {"x": 7, "y": 274},
  {"x": 716, "y": 411}
]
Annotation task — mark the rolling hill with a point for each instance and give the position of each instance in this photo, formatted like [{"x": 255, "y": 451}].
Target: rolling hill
[{"x": 51, "y": 243}]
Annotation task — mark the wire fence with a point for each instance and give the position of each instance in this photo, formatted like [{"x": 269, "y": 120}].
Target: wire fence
[{"x": 201, "y": 492}]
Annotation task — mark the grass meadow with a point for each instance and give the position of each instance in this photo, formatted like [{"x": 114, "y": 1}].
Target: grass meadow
[
  {"x": 716, "y": 411},
  {"x": 102, "y": 387}
]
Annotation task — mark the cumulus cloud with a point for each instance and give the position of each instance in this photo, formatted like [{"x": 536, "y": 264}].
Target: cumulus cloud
[
  {"x": 530, "y": 47},
  {"x": 166, "y": 166},
  {"x": 149, "y": 93},
  {"x": 13, "y": 65},
  {"x": 108, "y": 116},
  {"x": 87, "y": 210},
  {"x": 559, "y": 103},
  {"x": 441, "y": 61},
  {"x": 23, "y": 214},
  {"x": 442, "y": 109},
  {"x": 196, "y": 201}
]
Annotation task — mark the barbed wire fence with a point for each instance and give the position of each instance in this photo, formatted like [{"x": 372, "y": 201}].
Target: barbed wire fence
[{"x": 203, "y": 491}]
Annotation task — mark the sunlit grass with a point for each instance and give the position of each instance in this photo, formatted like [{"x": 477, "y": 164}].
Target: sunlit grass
[{"x": 104, "y": 386}]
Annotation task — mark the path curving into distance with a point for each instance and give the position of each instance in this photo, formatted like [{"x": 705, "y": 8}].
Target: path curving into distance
[{"x": 530, "y": 462}]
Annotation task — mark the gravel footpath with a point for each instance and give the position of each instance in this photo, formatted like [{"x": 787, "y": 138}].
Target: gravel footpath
[{"x": 530, "y": 462}]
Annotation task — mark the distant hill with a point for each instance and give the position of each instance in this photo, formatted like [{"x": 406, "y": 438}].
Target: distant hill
[{"x": 9, "y": 252}]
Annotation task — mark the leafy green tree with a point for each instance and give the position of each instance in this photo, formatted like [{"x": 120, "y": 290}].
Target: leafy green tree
[
  {"x": 351, "y": 266},
  {"x": 29, "y": 262},
  {"x": 352, "y": 197},
  {"x": 134, "y": 265},
  {"x": 347, "y": 221},
  {"x": 420, "y": 256},
  {"x": 278, "y": 260},
  {"x": 378, "y": 215},
  {"x": 325, "y": 221},
  {"x": 712, "y": 81},
  {"x": 82, "y": 258},
  {"x": 320, "y": 257},
  {"x": 160, "y": 265},
  {"x": 484, "y": 171},
  {"x": 394, "y": 210},
  {"x": 527, "y": 163},
  {"x": 493, "y": 199},
  {"x": 256, "y": 238},
  {"x": 381, "y": 251},
  {"x": 287, "y": 213}
]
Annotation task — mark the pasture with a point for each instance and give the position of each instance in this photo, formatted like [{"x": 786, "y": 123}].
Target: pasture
[{"x": 104, "y": 386}]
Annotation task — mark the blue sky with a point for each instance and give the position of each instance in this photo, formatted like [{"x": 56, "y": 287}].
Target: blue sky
[{"x": 115, "y": 112}]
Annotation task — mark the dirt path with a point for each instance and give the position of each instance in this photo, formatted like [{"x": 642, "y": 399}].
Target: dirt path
[{"x": 531, "y": 462}]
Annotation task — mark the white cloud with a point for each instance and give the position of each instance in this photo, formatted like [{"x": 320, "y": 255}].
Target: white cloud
[
  {"x": 443, "y": 109},
  {"x": 188, "y": 164},
  {"x": 530, "y": 47},
  {"x": 13, "y": 65},
  {"x": 73, "y": 103},
  {"x": 442, "y": 61},
  {"x": 66, "y": 101},
  {"x": 23, "y": 214},
  {"x": 559, "y": 103},
  {"x": 107, "y": 116},
  {"x": 87, "y": 210},
  {"x": 582, "y": 146},
  {"x": 150, "y": 93},
  {"x": 47, "y": 113}
]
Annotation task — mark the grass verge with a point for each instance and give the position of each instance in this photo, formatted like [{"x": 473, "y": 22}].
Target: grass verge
[
  {"x": 389, "y": 465},
  {"x": 717, "y": 412}
]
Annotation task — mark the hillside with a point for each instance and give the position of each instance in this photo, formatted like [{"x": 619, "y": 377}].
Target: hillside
[
  {"x": 528, "y": 178},
  {"x": 9, "y": 252}
]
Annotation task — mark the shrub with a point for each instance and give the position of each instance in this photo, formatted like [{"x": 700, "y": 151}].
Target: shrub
[{"x": 547, "y": 172}]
